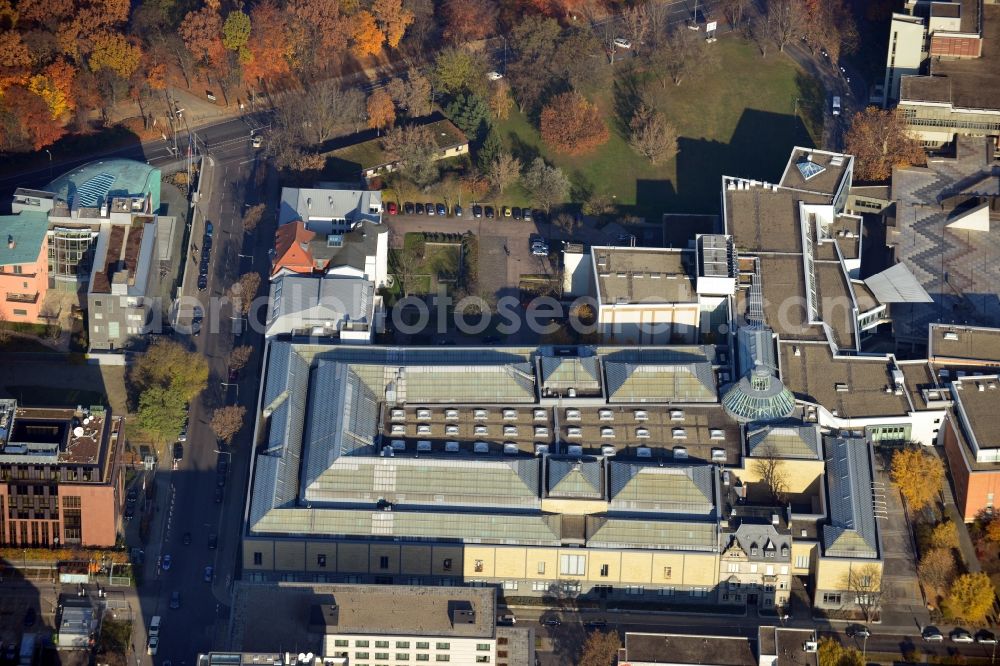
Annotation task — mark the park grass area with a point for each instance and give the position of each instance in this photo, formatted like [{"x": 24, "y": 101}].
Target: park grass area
[{"x": 740, "y": 120}]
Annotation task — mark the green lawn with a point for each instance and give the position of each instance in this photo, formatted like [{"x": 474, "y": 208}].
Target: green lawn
[{"x": 739, "y": 120}]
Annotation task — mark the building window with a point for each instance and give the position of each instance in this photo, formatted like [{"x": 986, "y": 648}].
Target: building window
[
  {"x": 572, "y": 565},
  {"x": 482, "y": 647},
  {"x": 361, "y": 655},
  {"x": 381, "y": 644},
  {"x": 71, "y": 502},
  {"x": 18, "y": 270},
  {"x": 258, "y": 558},
  {"x": 801, "y": 561},
  {"x": 381, "y": 655},
  {"x": 358, "y": 644},
  {"x": 423, "y": 657},
  {"x": 402, "y": 645},
  {"x": 510, "y": 585},
  {"x": 20, "y": 312},
  {"x": 423, "y": 646},
  {"x": 402, "y": 656},
  {"x": 442, "y": 646},
  {"x": 442, "y": 657},
  {"x": 479, "y": 566},
  {"x": 668, "y": 572},
  {"x": 734, "y": 567},
  {"x": 541, "y": 567},
  {"x": 446, "y": 565},
  {"x": 604, "y": 569},
  {"x": 383, "y": 562},
  {"x": 482, "y": 659},
  {"x": 832, "y": 598},
  {"x": 341, "y": 642},
  {"x": 539, "y": 586},
  {"x": 321, "y": 560}
]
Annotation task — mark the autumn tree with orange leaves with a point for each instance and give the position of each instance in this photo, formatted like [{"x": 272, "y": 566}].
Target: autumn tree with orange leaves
[
  {"x": 469, "y": 20},
  {"x": 879, "y": 141},
  {"x": 392, "y": 19},
  {"x": 381, "y": 111},
  {"x": 572, "y": 125},
  {"x": 366, "y": 38},
  {"x": 270, "y": 44}
]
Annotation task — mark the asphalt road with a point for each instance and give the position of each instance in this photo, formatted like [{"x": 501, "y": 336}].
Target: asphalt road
[{"x": 202, "y": 619}]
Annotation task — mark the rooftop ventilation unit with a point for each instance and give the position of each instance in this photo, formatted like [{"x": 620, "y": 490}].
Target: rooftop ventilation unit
[
  {"x": 718, "y": 455},
  {"x": 480, "y": 414},
  {"x": 607, "y": 450},
  {"x": 572, "y": 414},
  {"x": 424, "y": 414},
  {"x": 574, "y": 450},
  {"x": 509, "y": 448},
  {"x": 424, "y": 429},
  {"x": 510, "y": 431},
  {"x": 451, "y": 414},
  {"x": 451, "y": 429},
  {"x": 680, "y": 453},
  {"x": 451, "y": 447},
  {"x": 424, "y": 445},
  {"x": 606, "y": 415},
  {"x": 644, "y": 452},
  {"x": 398, "y": 415},
  {"x": 574, "y": 432},
  {"x": 541, "y": 431},
  {"x": 540, "y": 415},
  {"x": 642, "y": 433},
  {"x": 608, "y": 433},
  {"x": 641, "y": 415},
  {"x": 399, "y": 444},
  {"x": 481, "y": 447},
  {"x": 541, "y": 449},
  {"x": 398, "y": 429},
  {"x": 510, "y": 414}
]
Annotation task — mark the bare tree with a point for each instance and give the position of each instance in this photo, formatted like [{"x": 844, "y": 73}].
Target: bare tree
[
  {"x": 735, "y": 11},
  {"x": 652, "y": 136},
  {"x": 240, "y": 356},
  {"x": 548, "y": 184},
  {"x": 412, "y": 94},
  {"x": 771, "y": 470},
  {"x": 252, "y": 217},
  {"x": 864, "y": 582},
  {"x": 504, "y": 171},
  {"x": 244, "y": 290},
  {"x": 227, "y": 421},
  {"x": 635, "y": 23},
  {"x": 784, "y": 20},
  {"x": 681, "y": 54}
]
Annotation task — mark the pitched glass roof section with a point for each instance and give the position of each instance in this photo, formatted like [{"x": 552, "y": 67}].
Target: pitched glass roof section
[
  {"x": 677, "y": 382},
  {"x": 510, "y": 382},
  {"x": 560, "y": 372},
  {"x": 575, "y": 478},
  {"x": 852, "y": 531},
  {"x": 808, "y": 168},
  {"x": 509, "y": 528},
  {"x": 790, "y": 439},
  {"x": 758, "y": 396},
  {"x": 683, "y": 490},
  {"x": 629, "y": 532},
  {"x": 342, "y": 418},
  {"x": 412, "y": 481}
]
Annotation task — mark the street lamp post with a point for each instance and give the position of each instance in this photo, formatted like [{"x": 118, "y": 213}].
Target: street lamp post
[{"x": 50, "y": 162}]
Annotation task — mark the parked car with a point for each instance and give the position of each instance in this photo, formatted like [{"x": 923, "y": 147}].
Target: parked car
[
  {"x": 408, "y": 208},
  {"x": 551, "y": 622},
  {"x": 859, "y": 631},
  {"x": 961, "y": 636},
  {"x": 836, "y": 105},
  {"x": 441, "y": 209},
  {"x": 984, "y": 637},
  {"x": 507, "y": 620},
  {"x": 208, "y": 575},
  {"x": 213, "y": 541},
  {"x": 932, "y": 634},
  {"x": 516, "y": 213},
  {"x": 209, "y": 229},
  {"x": 165, "y": 562},
  {"x": 494, "y": 76},
  {"x": 506, "y": 211},
  {"x": 488, "y": 211},
  {"x": 175, "y": 600},
  {"x": 178, "y": 451},
  {"x": 183, "y": 436},
  {"x": 392, "y": 208},
  {"x": 477, "y": 211},
  {"x": 430, "y": 208},
  {"x": 419, "y": 209},
  {"x": 622, "y": 43},
  {"x": 527, "y": 215},
  {"x": 202, "y": 282},
  {"x": 153, "y": 645},
  {"x": 457, "y": 210},
  {"x": 257, "y": 141}
]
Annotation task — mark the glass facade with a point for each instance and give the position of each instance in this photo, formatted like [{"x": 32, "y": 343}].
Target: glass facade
[{"x": 71, "y": 253}]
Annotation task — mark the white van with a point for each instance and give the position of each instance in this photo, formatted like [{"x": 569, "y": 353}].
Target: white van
[
  {"x": 836, "y": 105},
  {"x": 154, "y": 626}
]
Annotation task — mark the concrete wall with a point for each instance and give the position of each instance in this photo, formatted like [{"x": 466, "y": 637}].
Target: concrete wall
[{"x": 974, "y": 490}]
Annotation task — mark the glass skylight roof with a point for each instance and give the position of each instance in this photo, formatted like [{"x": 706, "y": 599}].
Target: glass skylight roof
[{"x": 809, "y": 169}]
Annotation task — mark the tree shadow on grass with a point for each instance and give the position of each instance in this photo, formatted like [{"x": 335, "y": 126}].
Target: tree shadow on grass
[
  {"x": 627, "y": 98},
  {"x": 522, "y": 150}
]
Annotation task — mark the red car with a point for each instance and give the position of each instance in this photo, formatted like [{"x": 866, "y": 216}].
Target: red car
[{"x": 392, "y": 208}]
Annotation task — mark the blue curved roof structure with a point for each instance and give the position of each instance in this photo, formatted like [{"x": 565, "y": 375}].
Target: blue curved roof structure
[{"x": 92, "y": 184}]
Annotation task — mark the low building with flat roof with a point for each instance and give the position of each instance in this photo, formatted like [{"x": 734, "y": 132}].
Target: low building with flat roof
[
  {"x": 963, "y": 346},
  {"x": 368, "y": 158},
  {"x": 648, "y": 649},
  {"x": 971, "y": 439},
  {"x": 323, "y": 306},
  {"x": 392, "y": 624},
  {"x": 64, "y": 480},
  {"x": 645, "y": 295}
]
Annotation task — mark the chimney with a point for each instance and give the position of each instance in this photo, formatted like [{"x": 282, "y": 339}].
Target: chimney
[{"x": 10, "y": 242}]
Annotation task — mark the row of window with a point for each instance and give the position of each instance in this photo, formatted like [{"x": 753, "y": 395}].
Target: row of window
[{"x": 365, "y": 656}]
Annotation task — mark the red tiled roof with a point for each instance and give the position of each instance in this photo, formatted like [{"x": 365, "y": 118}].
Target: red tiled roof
[{"x": 291, "y": 248}]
